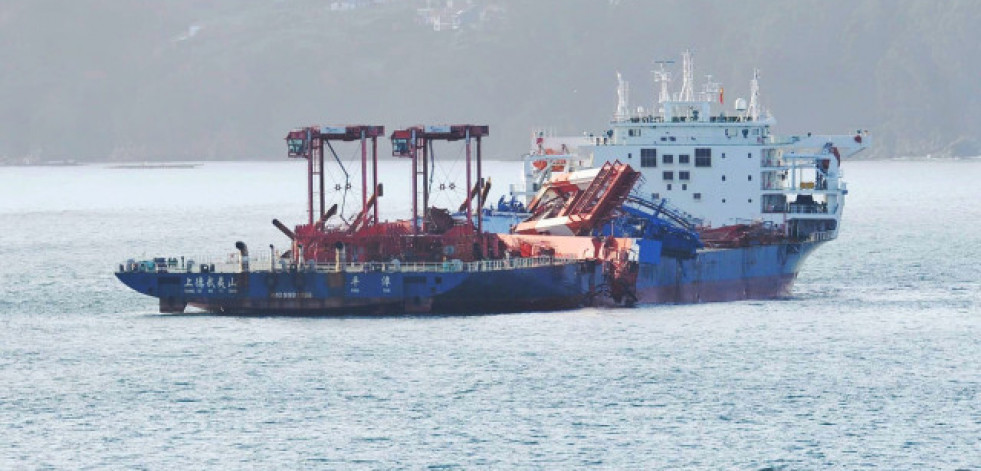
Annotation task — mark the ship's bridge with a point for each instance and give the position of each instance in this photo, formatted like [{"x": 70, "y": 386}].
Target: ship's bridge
[
  {"x": 721, "y": 164},
  {"x": 717, "y": 130}
]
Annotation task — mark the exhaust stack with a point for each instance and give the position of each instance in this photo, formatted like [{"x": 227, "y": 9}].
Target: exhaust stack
[{"x": 244, "y": 250}]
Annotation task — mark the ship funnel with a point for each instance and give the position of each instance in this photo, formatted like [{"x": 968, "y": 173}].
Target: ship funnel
[{"x": 244, "y": 249}]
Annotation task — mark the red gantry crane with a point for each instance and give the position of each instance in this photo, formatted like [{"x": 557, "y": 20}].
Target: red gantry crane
[
  {"x": 409, "y": 141},
  {"x": 309, "y": 143}
]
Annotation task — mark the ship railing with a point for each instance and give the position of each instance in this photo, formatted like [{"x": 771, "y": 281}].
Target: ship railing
[
  {"x": 797, "y": 208},
  {"x": 774, "y": 186},
  {"x": 257, "y": 266},
  {"x": 192, "y": 265},
  {"x": 774, "y": 208},
  {"x": 447, "y": 266},
  {"x": 821, "y": 236},
  {"x": 816, "y": 208},
  {"x": 782, "y": 140}
]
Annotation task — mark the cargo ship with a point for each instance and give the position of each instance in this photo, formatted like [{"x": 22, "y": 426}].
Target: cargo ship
[
  {"x": 690, "y": 202},
  {"x": 437, "y": 260},
  {"x": 760, "y": 203}
]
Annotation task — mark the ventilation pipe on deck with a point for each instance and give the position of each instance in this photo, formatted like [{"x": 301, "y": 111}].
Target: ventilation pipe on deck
[
  {"x": 338, "y": 255},
  {"x": 244, "y": 249}
]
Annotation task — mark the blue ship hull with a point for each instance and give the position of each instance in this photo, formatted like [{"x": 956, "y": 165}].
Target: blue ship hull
[
  {"x": 534, "y": 288},
  {"x": 671, "y": 270},
  {"x": 712, "y": 275},
  {"x": 755, "y": 272}
]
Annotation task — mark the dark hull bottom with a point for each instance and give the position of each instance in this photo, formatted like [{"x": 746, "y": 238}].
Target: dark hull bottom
[
  {"x": 385, "y": 307},
  {"x": 768, "y": 287}
]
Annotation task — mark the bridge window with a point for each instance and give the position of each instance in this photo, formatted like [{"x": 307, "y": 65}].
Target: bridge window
[
  {"x": 703, "y": 157},
  {"x": 648, "y": 157}
]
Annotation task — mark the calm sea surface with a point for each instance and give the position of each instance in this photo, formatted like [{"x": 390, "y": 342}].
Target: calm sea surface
[{"x": 874, "y": 363}]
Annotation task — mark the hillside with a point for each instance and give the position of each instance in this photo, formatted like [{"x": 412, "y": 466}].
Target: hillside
[{"x": 122, "y": 80}]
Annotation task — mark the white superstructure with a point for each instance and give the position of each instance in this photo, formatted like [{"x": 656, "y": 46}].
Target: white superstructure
[{"x": 720, "y": 163}]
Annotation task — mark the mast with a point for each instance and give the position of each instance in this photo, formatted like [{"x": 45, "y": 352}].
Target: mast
[
  {"x": 687, "y": 77},
  {"x": 623, "y": 89},
  {"x": 663, "y": 77},
  {"x": 754, "y": 96}
]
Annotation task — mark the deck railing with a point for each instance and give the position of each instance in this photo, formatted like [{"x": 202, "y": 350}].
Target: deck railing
[
  {"x": 807, "y": 208},
  {"x": 263, "y": 266},
  {"x": 821, "y": 236}
]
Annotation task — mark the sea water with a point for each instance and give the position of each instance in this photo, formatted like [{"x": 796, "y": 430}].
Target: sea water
[{"x": 875, "y": 362}]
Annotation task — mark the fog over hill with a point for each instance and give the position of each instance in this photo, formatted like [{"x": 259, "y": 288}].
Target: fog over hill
[{"x": 225, "y": 79}]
